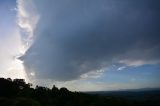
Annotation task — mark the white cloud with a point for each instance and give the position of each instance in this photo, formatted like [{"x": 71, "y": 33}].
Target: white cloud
[
  {"x": 9, "y": 47},
  {"x": 136, "y": 63},
  {"x": 11, "y": 43},
  {"x": 27, "y": 19},
  {"x": 121, "y": 68},
  {"x": 92, "y": 74}
]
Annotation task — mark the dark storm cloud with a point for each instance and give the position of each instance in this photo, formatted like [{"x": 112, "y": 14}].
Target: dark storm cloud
[{"x": 74, "y": 37}]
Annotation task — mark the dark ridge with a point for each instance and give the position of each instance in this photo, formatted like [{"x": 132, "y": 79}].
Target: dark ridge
[{"x": 19, "y": 93}]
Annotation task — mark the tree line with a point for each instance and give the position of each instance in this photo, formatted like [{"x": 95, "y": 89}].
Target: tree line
[{"x": 17, "y": 92}]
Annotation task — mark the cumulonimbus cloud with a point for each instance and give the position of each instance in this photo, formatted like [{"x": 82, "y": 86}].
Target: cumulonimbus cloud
[{"x": 75, "y": 37}]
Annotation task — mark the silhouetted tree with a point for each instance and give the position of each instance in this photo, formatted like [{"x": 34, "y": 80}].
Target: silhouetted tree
[{"x": 18, "y": 93}]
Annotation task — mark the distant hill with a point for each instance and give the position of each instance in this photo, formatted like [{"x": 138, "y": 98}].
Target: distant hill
[
  {"x": 141, "y": 90},
  {"x": 132, "y": 94}
]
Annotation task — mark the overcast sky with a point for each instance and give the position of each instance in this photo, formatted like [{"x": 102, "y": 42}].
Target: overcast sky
[{"x": 81, "y": 44}]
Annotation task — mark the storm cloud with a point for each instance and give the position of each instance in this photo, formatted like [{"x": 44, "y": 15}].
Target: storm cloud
[{"x": 75, "y": 37}]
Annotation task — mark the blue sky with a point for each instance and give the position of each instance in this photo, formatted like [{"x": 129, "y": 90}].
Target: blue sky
[
  {"x": 146, "y": 74},
  {"x": 85, "y": 45},
  {"x": 7, "y": 14}
]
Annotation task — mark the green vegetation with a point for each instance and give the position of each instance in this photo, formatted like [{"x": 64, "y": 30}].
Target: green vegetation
[{"x": 18, "y": 93}]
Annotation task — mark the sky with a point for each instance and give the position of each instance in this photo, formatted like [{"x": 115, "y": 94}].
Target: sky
[{"x": 84, "y": 45}]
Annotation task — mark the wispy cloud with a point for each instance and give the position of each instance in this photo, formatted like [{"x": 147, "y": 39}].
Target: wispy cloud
[
  {"x": 121, "y": 68},
  {"x": 27, "y": 18}
]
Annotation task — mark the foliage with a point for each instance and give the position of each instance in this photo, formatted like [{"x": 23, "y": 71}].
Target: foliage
[{"x": 18, "y": 93}]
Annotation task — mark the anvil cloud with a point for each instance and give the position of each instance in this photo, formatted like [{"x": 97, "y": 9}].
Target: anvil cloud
[{"x": 75, "y": 37}]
